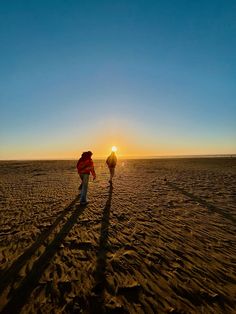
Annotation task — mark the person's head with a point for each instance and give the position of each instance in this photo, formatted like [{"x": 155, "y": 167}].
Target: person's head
[
  {"x": 86, "y": 155},
  {"x": 89, "y": 154}
]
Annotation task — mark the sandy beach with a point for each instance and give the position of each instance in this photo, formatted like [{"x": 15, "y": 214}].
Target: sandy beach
[{"x": 162, "y": 240}]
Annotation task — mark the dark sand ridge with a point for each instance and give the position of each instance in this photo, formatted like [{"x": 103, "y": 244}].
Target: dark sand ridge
[{"x": 144, "y": 247}]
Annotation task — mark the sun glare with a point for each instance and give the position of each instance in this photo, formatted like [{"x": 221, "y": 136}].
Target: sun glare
[{"x": 114, "y": 148}]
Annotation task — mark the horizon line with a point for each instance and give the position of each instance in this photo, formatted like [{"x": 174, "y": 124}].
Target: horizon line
[{"x": 131, "y": 157}]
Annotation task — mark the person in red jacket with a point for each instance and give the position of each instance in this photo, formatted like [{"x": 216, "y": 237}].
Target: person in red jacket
[{"x": 85, "y": 166}]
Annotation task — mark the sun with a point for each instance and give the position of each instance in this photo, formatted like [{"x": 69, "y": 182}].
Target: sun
[{"x": 114, "y": 148}]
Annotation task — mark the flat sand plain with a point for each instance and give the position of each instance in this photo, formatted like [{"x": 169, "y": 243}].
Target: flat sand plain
[{"x": 162, "y": 240}]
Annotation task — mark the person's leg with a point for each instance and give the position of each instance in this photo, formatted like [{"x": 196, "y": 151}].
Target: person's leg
[
  {"x": 112, "y": 172},
  {"x": 83, "y": 195},
  {"x": 80, "y": 187}
]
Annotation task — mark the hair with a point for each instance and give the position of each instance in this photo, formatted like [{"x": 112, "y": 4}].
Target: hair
[{"x": 86, "y": 155}]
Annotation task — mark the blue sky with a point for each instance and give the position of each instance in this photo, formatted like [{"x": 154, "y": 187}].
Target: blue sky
[{"x": 152, "y": 77}]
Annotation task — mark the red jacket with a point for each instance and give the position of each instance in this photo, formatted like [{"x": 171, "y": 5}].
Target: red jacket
[{"x": 85, "y": 166}]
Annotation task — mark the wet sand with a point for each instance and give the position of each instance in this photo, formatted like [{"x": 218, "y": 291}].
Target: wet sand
[{"x": 162, "y": 240}]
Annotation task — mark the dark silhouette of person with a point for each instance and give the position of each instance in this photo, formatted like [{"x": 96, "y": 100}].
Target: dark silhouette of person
[{"x": 111, "y": 163}]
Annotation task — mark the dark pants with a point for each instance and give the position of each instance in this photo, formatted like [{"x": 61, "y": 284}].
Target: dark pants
[{"x": 112, "y": 172}]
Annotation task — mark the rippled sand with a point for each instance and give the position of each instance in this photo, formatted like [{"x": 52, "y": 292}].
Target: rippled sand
[{"x": 162, "y": 240}]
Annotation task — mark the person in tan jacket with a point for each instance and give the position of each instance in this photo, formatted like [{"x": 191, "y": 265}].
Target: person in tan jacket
[{"x": 111, "y": 163}]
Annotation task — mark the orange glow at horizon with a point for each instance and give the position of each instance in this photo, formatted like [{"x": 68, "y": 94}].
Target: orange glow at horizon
[{"x": 131, "y": 139}]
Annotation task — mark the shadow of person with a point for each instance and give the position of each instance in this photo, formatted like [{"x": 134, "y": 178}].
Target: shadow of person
[
  {"x": 11, "y": 273},
  {"x": 29, "y": 283},
  {"x": 97, "y": 302},
  {"x": 210, "y": 207}
]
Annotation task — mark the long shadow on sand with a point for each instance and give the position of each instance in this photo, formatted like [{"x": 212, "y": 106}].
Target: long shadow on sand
[
  {"x": 21, "y": 294},
  {"x": 97, "y": 301},
  {"x": 10, "y": 274},
  {"x": 204, "y": 203}
]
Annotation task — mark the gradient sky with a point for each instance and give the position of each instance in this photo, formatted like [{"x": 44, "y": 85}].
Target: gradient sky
[{"x": 151, "y": 77}]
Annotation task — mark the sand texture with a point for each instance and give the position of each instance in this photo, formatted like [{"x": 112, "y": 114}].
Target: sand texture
[{"x": 162, "y": 240}]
